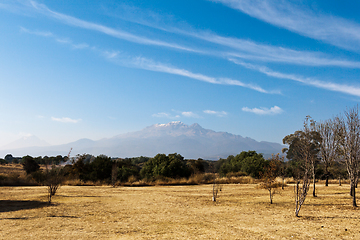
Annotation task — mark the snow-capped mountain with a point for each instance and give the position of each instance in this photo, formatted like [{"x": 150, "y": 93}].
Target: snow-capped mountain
[{"x": 191, "y": 141}]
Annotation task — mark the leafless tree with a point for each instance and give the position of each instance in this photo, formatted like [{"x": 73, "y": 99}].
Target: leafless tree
[
  {"x": 330, "y": 143},
  {"x": 54, "y": 177},
  {"x": 350, "y": 145},
  {"x": 303, "y": 147}
]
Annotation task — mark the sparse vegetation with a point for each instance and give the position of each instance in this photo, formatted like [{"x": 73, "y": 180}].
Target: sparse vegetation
[{"x": 169, "y": 212}]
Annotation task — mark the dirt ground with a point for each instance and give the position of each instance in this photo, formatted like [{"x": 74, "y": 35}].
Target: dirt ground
[{"x": 175, "y": 212}]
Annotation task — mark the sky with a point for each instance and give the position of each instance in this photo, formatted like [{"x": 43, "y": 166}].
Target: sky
[{"x": 95, "y": 69}]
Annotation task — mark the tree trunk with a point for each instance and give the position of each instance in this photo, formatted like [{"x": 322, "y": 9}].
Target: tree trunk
[
  {"x": 326, "y": 177},
  {"x": 282, "y": 185},
  {"x": 314, "y": 194},
  {"x": 353, "y": 195},
  {"x": 270, "y": 196},
  {"x": 297, "y": 205},
  {"x": 339, "y": 181},
  {"x": 356, "y": 181}
]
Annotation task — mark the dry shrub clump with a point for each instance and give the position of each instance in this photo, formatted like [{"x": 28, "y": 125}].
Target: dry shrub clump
[
  {"x": 238, "y": 180},
  {"x": 15, "y": 179}
]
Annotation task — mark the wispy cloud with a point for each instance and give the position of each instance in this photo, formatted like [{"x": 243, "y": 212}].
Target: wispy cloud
[
  {"x": 304, "y": 21},
  {"x": 65, "y": 120},
  {"x": 149, "y": 64},
  {"x": 165, "y": 115},
  {"x": 56, "y": 38},
  {"x": 235, "y": 47},
  {"x": 38, "y": 33},
  {"x": 335, "y": 87},
  {"x": 73, "y": 21},
  {"x": 190, "y": 115},
  {"x": 216, "y": 113},
  {"x": 241, "y": 49},
  {"x": 264, "y": 111},
  {"x": 177, "y": 114}
]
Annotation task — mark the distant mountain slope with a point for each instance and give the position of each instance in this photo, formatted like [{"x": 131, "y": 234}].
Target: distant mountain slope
[
  {"x": 190, "y": 141},
  {"x": 26, "y": 141}
]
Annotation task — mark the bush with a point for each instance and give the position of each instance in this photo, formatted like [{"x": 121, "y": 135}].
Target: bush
[{"x": 29, "y": 164}]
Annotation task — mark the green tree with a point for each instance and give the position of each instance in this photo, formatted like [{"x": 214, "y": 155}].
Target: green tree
[
  {"x": 101, "y": 168},
  {"x": 172, "y": 166},
  {"x": 250, "y": 162}
]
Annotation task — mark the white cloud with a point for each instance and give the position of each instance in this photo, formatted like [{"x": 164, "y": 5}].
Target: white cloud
[
  {"x": 304, "y": 21},
  {"x": 39, "y": 33},
  {"x": 176, "y": 114},
  {"x": 65, "y": 120},
  {"x": 217, "y": 113},
  {"x": 110, "y": 54},
  {"x": 336, "y": 87},
  {"x": 148, "y": 64},
  {"x": 264, "y": 111},
  {"x": 190, "y": 114},
  {"x": 165, "y": 115}
]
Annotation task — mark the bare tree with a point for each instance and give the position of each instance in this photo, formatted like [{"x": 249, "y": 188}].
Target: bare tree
[
  {"x": 216, "y": 188},
  {"x": 54, "y": 177},
  {"x": 330, "y": 143},
  {"x": 303, "y": 147},
  {"x": 350, "y": 145}
]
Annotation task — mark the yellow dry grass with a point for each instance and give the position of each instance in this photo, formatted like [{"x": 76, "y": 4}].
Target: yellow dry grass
[
  {"x": 12, "y": 169},
  {"x": 175, "y": 212}
]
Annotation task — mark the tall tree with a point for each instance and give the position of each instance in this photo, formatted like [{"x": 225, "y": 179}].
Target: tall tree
[
  {"x": 330, "y": 143},
  {"x": 350, "y": 145},
  {"x": 303, "y": 147}
]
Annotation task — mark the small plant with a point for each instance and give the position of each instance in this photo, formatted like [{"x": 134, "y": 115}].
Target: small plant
[
  {"x": 268, "y": 177},
  {"x": 216, "y": 188},
  {"x": 54, "y": 179}
]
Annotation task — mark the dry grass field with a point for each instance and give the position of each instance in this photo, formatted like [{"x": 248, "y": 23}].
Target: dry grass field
[{"x": 175, "y": 212}]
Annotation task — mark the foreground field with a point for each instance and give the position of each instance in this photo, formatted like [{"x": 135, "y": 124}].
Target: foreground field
[{"x": 175, "y": 212}]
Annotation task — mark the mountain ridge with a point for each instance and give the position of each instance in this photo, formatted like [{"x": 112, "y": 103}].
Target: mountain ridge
[{"x": 191, "y": 141}]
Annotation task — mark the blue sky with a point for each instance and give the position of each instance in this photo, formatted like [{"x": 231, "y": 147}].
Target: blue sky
[{"x": 95, "y": 69}]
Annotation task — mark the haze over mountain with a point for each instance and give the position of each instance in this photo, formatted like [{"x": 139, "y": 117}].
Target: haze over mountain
[
  {"x": 25, "y": 142},
  {"x": 190, "y": 141}
]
